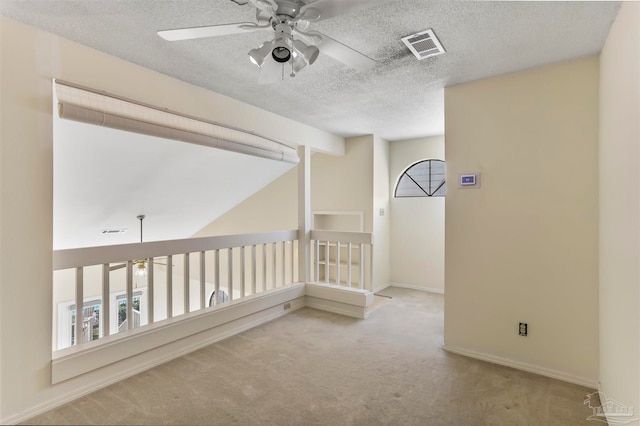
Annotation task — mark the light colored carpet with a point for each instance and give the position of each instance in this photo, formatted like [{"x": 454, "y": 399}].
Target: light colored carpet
[{"x": 316, "y": 368}]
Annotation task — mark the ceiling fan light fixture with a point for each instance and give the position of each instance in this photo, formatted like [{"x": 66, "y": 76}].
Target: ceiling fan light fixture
[
  {"x": 281, "y": 54},
  {"x": 298, "y": 63},
  {"x": 258, "y": 55},
  {"x": 281, "y": 48},
  {"x": 309, "y": 53},
  {"x": 310, "y": 14},
  {"x": 140, "y": 268}
]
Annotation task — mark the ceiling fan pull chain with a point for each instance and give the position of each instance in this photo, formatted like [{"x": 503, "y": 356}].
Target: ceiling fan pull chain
[{"x": 293, "y": 73}]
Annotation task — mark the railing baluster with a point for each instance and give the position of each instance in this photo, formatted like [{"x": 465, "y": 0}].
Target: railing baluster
[
  {"x": 264, "y": 267},
  {"x": 79, "y": 305},
  {"x": 274, "y": 263},
  {"x": 284, "y": 263},
  {"x": 254, "y": 267},
  {"x": 129, "y": 295},
  {"x": 217, "y": 283},
  {"x": 242, "y": 270},
  {"x": 326, "y": 262},
  {"x": 230, "y": 274},
  {"x": 293, "y": 261},
  {"x": 104, "y": 312},
  {"x": 338, "y": 266},
  {"x": 349, "y": 247},
  {"x": 203, "y": 282},
  {"x": 187, "y": 286},
  {"x": 169, "y": 286},
  {"x": 361, "y": 284},
  {"x": 317, "y": 256},
  {"x": 370, "y": 265},
  {"x": 150, "y": 289}
]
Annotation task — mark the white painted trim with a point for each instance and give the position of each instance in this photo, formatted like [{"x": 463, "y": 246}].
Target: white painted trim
[
  {"x": 382, "y": 287},
  {"x": 340, "y": 294},
  {"x": 352, "y": 302},
  {"x": 340, "y": 308},
  {"x": 342, "y": 236},
  {"x": 73, "y": 258},
  {"x": 418, "y": 287},
  {"x": 531, "y": 368}
]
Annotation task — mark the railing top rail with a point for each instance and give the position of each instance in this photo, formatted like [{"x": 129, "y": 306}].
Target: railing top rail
[
  {"x": 342, "y": 236},
  {"x": 75, "y": 258}
]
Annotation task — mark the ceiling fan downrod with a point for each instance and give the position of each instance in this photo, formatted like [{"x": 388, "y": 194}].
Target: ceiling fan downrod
[{"x": 140, "y": 218}]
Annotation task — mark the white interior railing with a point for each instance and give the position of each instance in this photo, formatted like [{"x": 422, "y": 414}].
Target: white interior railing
[
  {"x": 342, "y": 258},
  {"x": 182, "y": 276}
]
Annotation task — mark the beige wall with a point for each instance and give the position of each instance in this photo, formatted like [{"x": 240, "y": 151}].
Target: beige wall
[
  {"x": 273, "y": 208},
  {"x": 337, "y": 184},
  {"x": 524, "y": 247},
  {"x": 30, "y": 59},
  {"x": 620, "y": 209},
  {"x": 345, "y": 183},
  {"x": 417, "y": 224}
]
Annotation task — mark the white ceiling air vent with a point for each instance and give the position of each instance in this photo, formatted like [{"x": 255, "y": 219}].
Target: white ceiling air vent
[
  {"x": 424, "y": 44},
  {"x": 113, "y": 231}
]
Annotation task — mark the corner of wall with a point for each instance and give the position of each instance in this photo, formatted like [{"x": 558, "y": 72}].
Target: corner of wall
[{"x": 619, "y": 210}]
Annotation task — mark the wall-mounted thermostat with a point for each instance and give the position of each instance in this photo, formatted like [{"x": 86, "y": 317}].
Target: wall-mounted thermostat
[{"x": 469, "y": 180}]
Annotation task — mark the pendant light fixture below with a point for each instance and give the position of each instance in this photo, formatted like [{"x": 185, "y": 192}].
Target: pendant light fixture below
[{"x": 140, "y": 266}]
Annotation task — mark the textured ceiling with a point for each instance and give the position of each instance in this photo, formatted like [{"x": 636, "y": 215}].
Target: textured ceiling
[{"x": 400, "y": 98}]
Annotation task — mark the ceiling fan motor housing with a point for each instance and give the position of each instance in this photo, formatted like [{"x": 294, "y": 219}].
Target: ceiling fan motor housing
[{"x": 290, "y": 8}]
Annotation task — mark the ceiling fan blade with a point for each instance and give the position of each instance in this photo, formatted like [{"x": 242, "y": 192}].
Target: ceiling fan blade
[
  {"x": 270, "y": 72},
  {"x": 329, "y": 8},
  {"x": 209, "y": 31},
  {"x": 269, "y": 6},
  {"x": 116, "y": 267},
  {"x": 348, "y": 56}
]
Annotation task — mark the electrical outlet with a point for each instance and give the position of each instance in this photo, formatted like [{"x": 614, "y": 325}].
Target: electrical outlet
[
  {"x": 287, "y": 306},
  {"x": 522, "y": 329}
]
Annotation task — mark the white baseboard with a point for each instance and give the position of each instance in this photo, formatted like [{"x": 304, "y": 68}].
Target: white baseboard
[
  {"x": 336, "y": 307},
  {"x": 531, "y": 368},
  {"x": 382, "y": 287},
  {"x": 351, "y": 302},
  {"x": 418, "y": 287}
]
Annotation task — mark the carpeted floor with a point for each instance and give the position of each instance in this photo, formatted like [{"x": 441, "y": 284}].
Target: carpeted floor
[{"x": 316, "y": 368}]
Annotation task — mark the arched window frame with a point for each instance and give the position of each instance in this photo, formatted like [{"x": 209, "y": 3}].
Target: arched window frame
[{"x": 426, "y": 193}]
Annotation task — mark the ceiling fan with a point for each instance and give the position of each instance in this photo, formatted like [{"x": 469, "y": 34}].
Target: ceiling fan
[
  {"x": 292, "y": 44},
  {"x": 139, "y": 265}
]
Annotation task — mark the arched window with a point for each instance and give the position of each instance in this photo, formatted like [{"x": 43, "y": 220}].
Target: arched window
[{"x": 425, "y": 178}]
